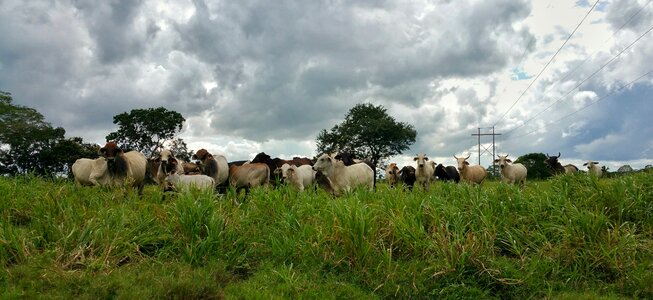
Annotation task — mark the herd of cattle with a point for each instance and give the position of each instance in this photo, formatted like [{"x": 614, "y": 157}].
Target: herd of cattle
[{"x": 336, "y": 173}]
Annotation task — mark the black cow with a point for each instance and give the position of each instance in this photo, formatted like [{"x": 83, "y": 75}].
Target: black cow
[
  {"x": 407, "y": 174},
  {"x": 557, "y": 167},
  {"x": 447, "y": 173},
  {"x": 236, "y": 163},
  {"x": 275, "y": 163}
]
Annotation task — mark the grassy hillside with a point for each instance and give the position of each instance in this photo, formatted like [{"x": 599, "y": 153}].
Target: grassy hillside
[{"x": 570, "y": 237}]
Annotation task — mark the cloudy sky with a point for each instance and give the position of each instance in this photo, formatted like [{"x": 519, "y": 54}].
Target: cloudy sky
[{"x": 252, "y": 76}]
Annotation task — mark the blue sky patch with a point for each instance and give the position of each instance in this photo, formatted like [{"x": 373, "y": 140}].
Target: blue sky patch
[{"x": 519, "y": 74}]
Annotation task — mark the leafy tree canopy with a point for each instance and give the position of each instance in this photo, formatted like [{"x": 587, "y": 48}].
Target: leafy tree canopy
[
  {"x": 29, "y": 144},
  {"x": 368, "y": 131},
  {"x": 146, "y": 130},
  {"x": 180, "y": 149},
  {"x": 534, "y": 163}
]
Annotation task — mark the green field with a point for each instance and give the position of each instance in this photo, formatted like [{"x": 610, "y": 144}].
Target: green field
[{"x": 571, "y": 237}]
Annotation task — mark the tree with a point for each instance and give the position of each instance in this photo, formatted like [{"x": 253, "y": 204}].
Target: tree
[
  {"x": 23, "y": 135},
  {"x": 180, "y": 149},
  {"x": 146, "y": 130},
  {"x": 368, "y": 131},
  {"x": 493, "y": 171},
  {"x": 534, "y": 163},
  {"x": 60, "y": 157}
]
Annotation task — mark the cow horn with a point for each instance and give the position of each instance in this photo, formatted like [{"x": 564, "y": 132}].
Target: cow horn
[
  {"x": 468, "y": 156},
  {"x": 558, "y": 154},
  {"x": 455, "y": 157}
]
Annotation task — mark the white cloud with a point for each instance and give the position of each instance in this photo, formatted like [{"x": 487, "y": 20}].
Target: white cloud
[{"x": 267, "y": 76}]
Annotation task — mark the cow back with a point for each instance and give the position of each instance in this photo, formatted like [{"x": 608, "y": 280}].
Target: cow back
[
  {"x": 452, "y": 172},
  {"x": 249, "y": 175},
  {"x": 137, "y": 166},
  {"x": 217, "y": 167}
]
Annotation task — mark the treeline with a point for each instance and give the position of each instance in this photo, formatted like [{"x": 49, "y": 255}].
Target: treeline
[{"x": 29, "y": 144}]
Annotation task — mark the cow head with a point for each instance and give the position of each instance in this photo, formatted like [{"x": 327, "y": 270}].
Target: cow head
[
  {"x": 323, "y": 163},
  {"x": 552, "y": 161},
  {"x": 165, "y": 159},
  {"x": 590, "y": 163},
  {"x": 202, "y": 155},
  {"x": 502, "y": 161},
  {"x": 462, "y": 162},
  {"x": 407, "y": 172},
  {"x": 291, "y": 172},
  {"x": 110, "y": 151},
  {"x": 346, "y": 157},
  {"x": 393, "y": 169},
  {"x": 421, "y": 160}
]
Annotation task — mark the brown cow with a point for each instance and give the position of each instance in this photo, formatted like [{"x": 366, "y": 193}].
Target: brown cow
[
  {"x": 248, "y": 176},
  {"x": 392, "y": 174}
]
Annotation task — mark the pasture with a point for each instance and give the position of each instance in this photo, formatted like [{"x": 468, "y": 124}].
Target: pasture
[{"x": 569, "y": 237}]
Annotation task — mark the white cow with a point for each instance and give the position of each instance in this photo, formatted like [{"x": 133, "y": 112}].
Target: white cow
[
  {"x": 183, "y": 182},
  {"x": 593, "y": 168},
  {"x": 122, "y": 167},
  {"x": 511, "y": 173},
  {"x": 344, "y": 178},
  {"x": 472, "y": 174},
  {"x": 84, "y": 167},
  {"x": 168, "y": 164},
  {"x": 424, "y": 171},
  {"x": 299, "y": 177}
]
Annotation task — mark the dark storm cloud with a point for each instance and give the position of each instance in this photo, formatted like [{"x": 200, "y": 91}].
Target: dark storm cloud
[
  {"x": 321, "y": 58},
  {"x": 111, "y": 25},
  {"x": 251, "y": 74}
]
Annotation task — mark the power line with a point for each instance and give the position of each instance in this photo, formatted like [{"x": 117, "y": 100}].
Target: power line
[
  {"x": 594, "y": 52},
  {"x": 588, "y": 105},
  {"x": 583, "y": 81},
  {"x": 630, "y": 19},
  {"x": 547, "y": 64}
]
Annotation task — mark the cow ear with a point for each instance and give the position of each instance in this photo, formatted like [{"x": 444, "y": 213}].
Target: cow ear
[
  {"x": 508, "y": 160},
  {"x": 596, "y": 162},
  {"x": 426, "y": 158},
  {"x": 466, "y": 163},
  {"x": 496, "y": 160},
  {"x": 585, "y": 164},
  {"x": 157, "y": 160},
  {"x": 415, "y": 158},
  {"x": 173, "y": 161},
  {"x": 194, "y": 157},
  {"x": 102, "y": 151}
]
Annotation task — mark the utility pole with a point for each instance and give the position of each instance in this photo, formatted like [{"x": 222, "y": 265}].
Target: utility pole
[{"x": 493, "y": 134}]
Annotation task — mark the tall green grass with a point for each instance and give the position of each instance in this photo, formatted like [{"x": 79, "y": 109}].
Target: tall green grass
[{"x": 568, "y": 237}]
